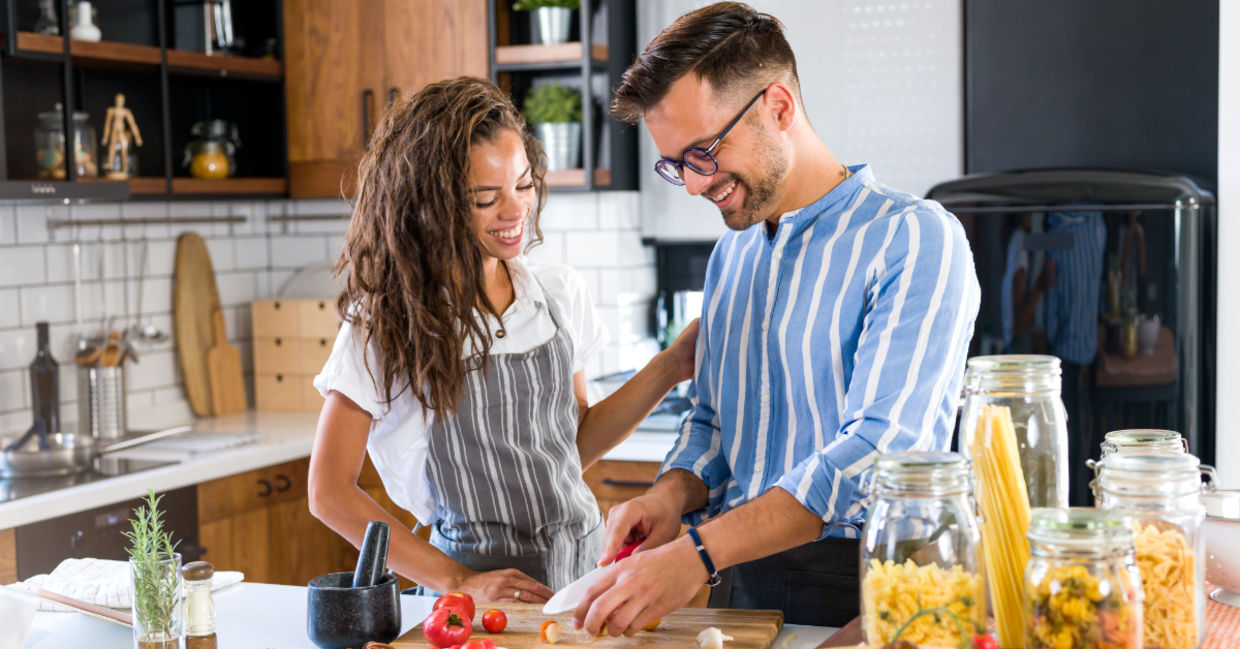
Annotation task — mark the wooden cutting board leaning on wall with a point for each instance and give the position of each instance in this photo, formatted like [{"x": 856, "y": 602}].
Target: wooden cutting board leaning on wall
[
  {"x": 750, "y": 630},
  {"x": 194, "y": 300}
]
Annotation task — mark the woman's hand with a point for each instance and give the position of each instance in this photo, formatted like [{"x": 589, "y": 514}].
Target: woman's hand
[
  {"x": 509, "y": 585},
  {"x": 681, "y": 351}
]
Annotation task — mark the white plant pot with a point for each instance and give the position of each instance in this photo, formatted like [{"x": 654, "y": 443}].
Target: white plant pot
[
  {"x": 562, "y": 143},
  {"x": 550, "y": 25}
]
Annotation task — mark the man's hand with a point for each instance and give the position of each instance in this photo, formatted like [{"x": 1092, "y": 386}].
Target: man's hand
[
  {"x": 641, "y": 589},
  {"x": 651, "y": 517}
]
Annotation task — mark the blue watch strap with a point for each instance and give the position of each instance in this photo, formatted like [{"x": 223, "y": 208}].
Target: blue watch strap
[{"x": 701, "y": 549}]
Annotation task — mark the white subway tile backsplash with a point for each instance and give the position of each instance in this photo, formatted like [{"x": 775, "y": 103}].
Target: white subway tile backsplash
[
  {"x": 222, "y": 256},
  {"x": 10, "y": 308},
  {"x": 50, "y": 303},
  {"x": 291, "y": 252},
  {"x": 252, "y": 260},
  {"x": 8, "y": 225},
  {"x": 13, "y": 390},
  {"x": 22, "y": 265}
]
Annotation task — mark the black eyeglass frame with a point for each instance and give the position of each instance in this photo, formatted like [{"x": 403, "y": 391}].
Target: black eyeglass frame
[{"x": 672, "y": 170}]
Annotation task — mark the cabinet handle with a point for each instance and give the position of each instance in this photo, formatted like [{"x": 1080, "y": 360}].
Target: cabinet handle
[
  {"x": 279, "y": 342},
  {"x": 283, "y": 484},
  {"x": 611, "y": 482},
  {"x": 368, "y": 106},
  {"x": 393, "y": 95},
  {"x": 264, "y": 489}
]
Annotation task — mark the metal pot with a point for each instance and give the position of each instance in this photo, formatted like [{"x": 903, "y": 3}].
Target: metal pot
[
  {"x": 67, "y": 453},
  {"x": 562, "y": 142},
  {"x": 551, "y": 25}
]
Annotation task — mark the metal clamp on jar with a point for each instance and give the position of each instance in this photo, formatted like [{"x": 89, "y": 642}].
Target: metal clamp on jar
[
  {"x": 921, "y": 576},
  {"x": 1161, "y": 493},
  {"x": 1028, "y": 386},
  {"x": 1082, "y": 586}
]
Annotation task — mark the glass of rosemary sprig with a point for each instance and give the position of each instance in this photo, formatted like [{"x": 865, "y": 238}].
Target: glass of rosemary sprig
[{"x": 155, "y": 572}]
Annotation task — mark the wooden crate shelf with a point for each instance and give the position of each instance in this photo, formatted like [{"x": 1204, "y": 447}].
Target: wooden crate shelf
[{"x": 567, "y": 53}]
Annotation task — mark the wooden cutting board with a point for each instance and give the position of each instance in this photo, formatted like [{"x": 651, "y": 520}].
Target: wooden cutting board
[
  {"x": 194, "y": 299},
  {"x": 751, "y": 630},
  {"x": 224, "y": 371}
]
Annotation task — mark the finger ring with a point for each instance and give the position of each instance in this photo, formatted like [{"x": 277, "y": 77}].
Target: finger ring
[{"x": 517, "y": 595}]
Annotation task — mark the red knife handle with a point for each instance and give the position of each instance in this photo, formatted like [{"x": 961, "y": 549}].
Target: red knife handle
[{"x": 628, "y": 549}]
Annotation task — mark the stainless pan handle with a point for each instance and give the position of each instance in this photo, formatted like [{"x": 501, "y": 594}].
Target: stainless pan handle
[{"x": 142, "y": 439}]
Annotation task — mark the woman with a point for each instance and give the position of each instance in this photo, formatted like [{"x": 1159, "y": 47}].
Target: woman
[{"x": 489, "y": 447}]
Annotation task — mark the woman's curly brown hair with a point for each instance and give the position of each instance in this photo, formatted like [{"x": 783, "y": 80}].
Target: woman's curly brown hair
[{"x": 412, "y": 253}]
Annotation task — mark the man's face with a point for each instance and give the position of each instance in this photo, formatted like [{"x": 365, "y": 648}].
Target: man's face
[{"x": 752, "y": 163}]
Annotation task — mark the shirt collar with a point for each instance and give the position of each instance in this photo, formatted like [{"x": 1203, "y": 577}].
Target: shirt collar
[{"x": 524, "y": 285}]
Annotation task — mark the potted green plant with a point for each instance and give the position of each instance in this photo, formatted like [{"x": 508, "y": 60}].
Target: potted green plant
[
  {"x": 554, "y": 110},
  {"x": 550, "y": 20},
  {"x": 155, "y": 574}
]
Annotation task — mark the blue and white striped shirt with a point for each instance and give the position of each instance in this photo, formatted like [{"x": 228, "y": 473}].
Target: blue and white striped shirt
[{"x": 841, "y": 337}]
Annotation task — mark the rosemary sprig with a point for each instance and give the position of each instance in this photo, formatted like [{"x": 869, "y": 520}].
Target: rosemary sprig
[
  {"x": 155, "y": 583},
  {"x": 938, "y": 611}
]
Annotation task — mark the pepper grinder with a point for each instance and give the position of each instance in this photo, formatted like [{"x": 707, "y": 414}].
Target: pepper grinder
[
  {"x": 372, "y": 560},
  {"x": 199, "y": 605}
]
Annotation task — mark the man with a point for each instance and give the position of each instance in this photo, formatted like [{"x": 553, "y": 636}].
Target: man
[{"x": 835, "y": 325}]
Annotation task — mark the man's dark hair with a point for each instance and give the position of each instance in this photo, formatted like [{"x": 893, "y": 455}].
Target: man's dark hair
[{"x": 729, "y": 44}]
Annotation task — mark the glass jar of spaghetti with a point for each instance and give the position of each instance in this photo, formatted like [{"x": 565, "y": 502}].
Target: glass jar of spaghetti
[
  {"x": 1028, "y": 387},
  {"x": 921, "y": 577},
  {"x": 1160, "y": 493},
  {"x": 1082, "y": 587}
]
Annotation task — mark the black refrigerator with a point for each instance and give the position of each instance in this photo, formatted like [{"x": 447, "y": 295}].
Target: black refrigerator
[{"x": 1112, "y": 271}]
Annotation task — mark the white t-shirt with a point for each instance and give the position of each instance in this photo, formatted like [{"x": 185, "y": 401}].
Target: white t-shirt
[{"x": 399, "y": 433}]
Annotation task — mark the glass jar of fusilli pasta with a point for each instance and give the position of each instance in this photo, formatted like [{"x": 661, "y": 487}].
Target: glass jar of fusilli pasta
[
  {"x": 1082, "y": 587},
  {"x": 1160, "y": 492},
  {"x": 921, "y": 577},
  {"x": 1029, "y": 387}
]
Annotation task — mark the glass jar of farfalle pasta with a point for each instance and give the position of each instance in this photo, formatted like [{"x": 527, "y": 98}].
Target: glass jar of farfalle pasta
[
  {"x": 921, "y": 577},
  {"x": 1082, "y": 586},
  {"x": 1160, "y": 493}
]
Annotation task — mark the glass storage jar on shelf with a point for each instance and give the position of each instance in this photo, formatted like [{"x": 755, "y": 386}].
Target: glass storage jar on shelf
[
  {"x": 1082, "y": 587},
  {"x": 49, "y": 145},
  {"x": 1028, "y": 386},
  {"x": 921, "y": 576},
  {"x": 1161, "y": 492}
]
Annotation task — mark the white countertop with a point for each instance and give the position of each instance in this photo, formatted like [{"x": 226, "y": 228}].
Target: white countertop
[
  {"x": 263, "y": 616},
  {"x": 282, "y": 437}
]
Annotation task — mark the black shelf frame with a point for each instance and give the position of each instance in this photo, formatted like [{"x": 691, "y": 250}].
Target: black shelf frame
[
  {"x": 621, "y": 20},
  {"x": 71, "y": 187}
]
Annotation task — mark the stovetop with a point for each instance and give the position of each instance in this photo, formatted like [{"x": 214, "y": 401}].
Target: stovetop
[{"x": 105, "y": 467}]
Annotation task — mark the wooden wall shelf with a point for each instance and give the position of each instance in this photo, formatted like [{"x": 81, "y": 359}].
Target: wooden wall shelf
[
  {"x": 569, "y": 178},
  {"x": 141, "y": 186},
  {"x": 127, "y": 55},
  {"x": 230, "y": 186},
  {"x": 567, "y": 53},
  {"x": 224, "y": 65}
]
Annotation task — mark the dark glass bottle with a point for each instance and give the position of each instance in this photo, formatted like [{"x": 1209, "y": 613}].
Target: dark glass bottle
[{"x": 45, "y": 383}]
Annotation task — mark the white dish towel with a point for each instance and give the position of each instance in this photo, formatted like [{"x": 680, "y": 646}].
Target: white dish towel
[{"x": 101, "y": 581}]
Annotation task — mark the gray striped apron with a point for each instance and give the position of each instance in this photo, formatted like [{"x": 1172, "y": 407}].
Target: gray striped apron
[{"x": 506, "y": 472}]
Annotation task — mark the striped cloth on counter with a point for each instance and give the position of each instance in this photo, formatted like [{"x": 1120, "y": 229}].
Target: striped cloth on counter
[{"x": 1222, "y": 626}]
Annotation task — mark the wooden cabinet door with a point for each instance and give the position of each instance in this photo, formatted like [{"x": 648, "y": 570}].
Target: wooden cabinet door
[
  {"x": 432, "y": 40},
  {"x": 334, "y": 80},
  {"x": 8, "y": 557},
  {"x": 614, "y": 482}
]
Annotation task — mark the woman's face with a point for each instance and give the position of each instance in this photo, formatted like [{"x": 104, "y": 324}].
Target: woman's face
[{"x": 501, "y": 192}]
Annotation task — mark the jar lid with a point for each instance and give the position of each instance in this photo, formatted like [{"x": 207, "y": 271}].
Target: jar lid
[
  {"x": 1014, "y": 374},
  {"x": 58, "y": 112},
  {"x": 197, "y": 571},
  {"x": 1145, "y": 439},
  {"x": 929, "y": 472},
  {"x": 1008, "y": 362},
  {"x": 1083, "y": 526}
]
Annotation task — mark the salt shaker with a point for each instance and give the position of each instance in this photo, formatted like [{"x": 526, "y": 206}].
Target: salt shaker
[{"x": 199, "y": 607}]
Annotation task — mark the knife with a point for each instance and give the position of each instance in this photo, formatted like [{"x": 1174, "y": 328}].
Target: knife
[{"x": 570, "y": 596}]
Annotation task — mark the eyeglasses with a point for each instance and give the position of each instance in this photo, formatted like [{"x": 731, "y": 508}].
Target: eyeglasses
[{"x": 697, "y": 159}]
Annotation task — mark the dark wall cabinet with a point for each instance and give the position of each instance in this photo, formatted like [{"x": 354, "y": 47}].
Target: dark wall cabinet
[{"x": 168, "y": 88}]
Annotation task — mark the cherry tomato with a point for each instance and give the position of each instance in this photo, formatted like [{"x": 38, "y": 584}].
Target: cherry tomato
[
  {"x": 549, "y": 632},
  {"x": 446, "y": 626},
  {"x": 494, "y": 621},
  {"x": 458, "y": 600},
  {"x": 474, "y": 644},
  {"x": 985, "y": 642},
  {"x": 489, "y": 643}
]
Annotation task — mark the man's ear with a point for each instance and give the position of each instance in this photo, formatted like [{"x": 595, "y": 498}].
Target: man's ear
[{"x": 782, "y": 103}]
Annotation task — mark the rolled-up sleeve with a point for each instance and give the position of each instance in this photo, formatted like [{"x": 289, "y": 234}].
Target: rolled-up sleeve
[{"x": 909, "y": 365}]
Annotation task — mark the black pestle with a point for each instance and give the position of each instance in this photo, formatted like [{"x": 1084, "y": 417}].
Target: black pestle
[{"x": 372, "y": 561}]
